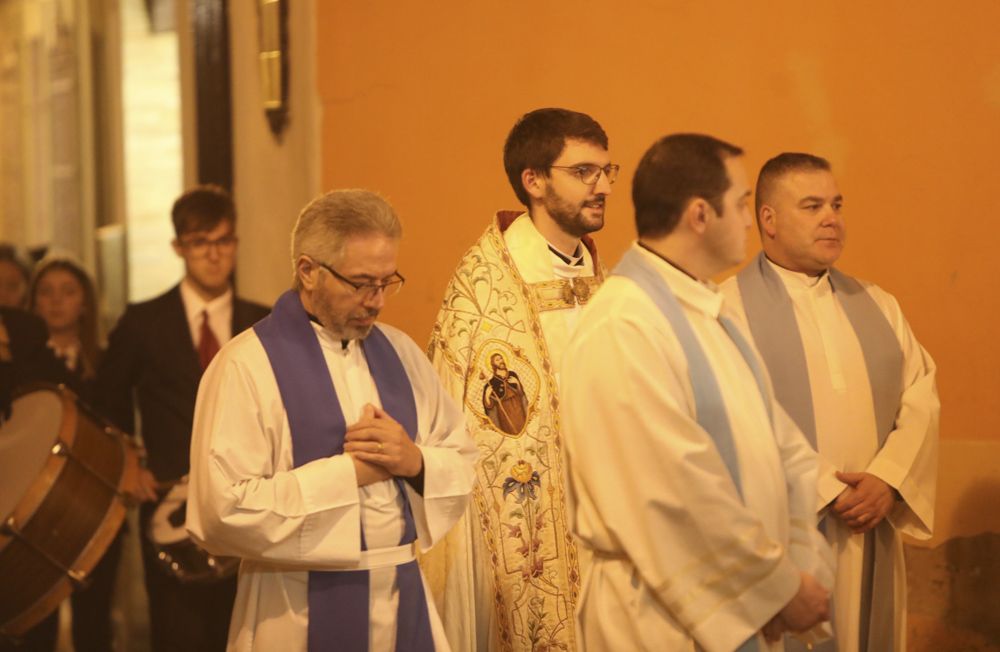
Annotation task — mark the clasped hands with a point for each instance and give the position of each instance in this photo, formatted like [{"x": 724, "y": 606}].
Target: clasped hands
[
  {"x": 865, "y": 501},
  {"x": 380, "y": 447},
  {"x": 862, "y": 505}
]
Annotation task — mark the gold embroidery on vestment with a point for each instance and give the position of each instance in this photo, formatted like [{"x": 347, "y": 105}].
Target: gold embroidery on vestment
[
  {"x": 563, "y": 293},
  {"x": 489, "y": 342}
]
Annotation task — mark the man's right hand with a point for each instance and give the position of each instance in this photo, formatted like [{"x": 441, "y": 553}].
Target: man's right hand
[
  {"x": 809, "y": 607},
  {"x": 369, "y": 473}
]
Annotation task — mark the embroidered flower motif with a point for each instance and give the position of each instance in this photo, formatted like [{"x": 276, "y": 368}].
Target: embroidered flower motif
[
  {"x": 533, "y": 569},
  {"x": 522, "y": 482},
  {"x": 522, "y": 472}
]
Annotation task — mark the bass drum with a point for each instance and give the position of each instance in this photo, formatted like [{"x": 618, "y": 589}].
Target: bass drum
[{"x": 62, "y": 473}]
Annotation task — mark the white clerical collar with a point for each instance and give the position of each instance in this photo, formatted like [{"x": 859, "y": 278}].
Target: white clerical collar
[
  {"x": 327, "y": 340},
  {"x": 569, "y": 266},
  {"x": 700, "y": 295},
  {"x": 194, "y": 305},
  {"x": 573, "y": 260},
  {"x": 534, "y": 258},
  {"x": 800, "y": 281}
]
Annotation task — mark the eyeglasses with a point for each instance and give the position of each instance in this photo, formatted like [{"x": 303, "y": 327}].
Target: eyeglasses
[
  {"x": 589, "y": 173},
  {"x": 199, "y": 246},
  {"x": 369, "y": 290}
]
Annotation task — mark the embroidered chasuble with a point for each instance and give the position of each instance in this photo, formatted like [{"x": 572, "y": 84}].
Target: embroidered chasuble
[
  {"x": 848, "y": 369},
  {"x": 692, "y": 487},
  {"x": 508, "y": 576},
  {"x": 290, "y": 507}
]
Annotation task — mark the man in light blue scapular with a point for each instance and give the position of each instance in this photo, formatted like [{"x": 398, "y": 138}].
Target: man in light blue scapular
[{"x": 688, "y": 482}]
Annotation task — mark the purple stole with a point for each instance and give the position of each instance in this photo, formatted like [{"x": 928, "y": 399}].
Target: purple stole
[{"x": 338, "y": 600}]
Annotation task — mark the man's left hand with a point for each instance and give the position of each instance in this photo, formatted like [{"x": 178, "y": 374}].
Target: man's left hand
[
  {"x": 378, "y": 438},
  {"x": 865, "y": 502}
]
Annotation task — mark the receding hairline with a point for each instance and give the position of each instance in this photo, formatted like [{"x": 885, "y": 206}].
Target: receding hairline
[{"x": 779, "y": 168}]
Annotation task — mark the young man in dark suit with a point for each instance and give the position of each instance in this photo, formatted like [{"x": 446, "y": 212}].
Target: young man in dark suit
[{"x": 155, "y": 359}]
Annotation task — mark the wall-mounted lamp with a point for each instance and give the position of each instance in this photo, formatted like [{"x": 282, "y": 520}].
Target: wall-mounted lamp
[{"x": 273, "y": 53}]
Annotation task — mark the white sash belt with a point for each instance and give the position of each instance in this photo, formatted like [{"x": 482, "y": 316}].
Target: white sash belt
[
  {"x": 383, "y": 557},
  {"x": 369, "y": 560}
]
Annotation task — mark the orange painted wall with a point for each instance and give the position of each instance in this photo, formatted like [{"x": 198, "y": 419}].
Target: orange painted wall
[{"x": 903, "y": 98}]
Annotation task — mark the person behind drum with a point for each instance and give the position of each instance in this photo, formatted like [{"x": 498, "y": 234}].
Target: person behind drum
[
  {"x": 24, "y": 357},
  {"x": 62, "y": 294},
  {"x": 154, "y": 362},
  {"x": 14, "y": 276}
]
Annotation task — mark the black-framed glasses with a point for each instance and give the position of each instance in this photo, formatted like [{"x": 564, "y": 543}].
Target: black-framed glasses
[
  {"x": 388, "y": 287},
  {"x": 589, "y": 173},
  {"x": 199, "y": 247}
]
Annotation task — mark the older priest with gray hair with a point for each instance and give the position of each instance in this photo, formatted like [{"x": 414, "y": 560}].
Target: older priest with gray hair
[
  {"x": 325, "y": 450},
  {"x": 849, "y": 371}
]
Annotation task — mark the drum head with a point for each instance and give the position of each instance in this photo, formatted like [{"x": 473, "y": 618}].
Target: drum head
[
  {"x": 26, "y": 441},
  {"x": 167, "y": 523}
]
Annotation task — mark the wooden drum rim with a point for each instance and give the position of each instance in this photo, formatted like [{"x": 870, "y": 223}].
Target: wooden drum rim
[{"x": 39, "y": 490}]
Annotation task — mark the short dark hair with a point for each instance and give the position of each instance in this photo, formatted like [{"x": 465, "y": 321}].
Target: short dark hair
[
  {"x": 202, "y": 208},
  {"x": 778, "y": 167},
  {"x": 538, "y": 138},
  {"x": 675, "y": 170}
]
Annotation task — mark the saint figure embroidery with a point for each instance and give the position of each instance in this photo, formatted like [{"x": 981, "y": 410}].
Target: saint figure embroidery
[{"x": 504, "y": 400}]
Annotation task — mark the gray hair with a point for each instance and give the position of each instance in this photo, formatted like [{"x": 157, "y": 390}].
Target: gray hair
[{"x": 327, "y": 222}]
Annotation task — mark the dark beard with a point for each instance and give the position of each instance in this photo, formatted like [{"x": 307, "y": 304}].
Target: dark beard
[{"x": 568, "y": 216}]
